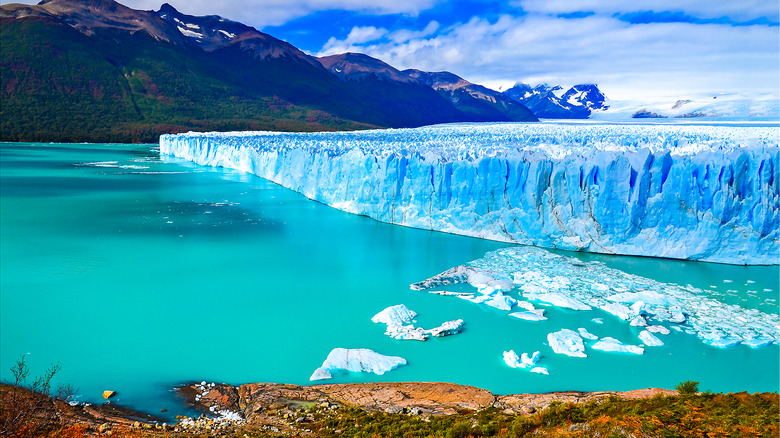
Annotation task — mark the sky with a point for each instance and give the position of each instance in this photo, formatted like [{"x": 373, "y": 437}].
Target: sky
[{"x": 634, "y": 50}]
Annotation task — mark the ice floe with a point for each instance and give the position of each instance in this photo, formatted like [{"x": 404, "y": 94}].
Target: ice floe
[
  {"x": 650, "y": 339},
  {"x": 397, "y": 318},
  {"x": 585, "y": 334},
  {"x": 357, "y": 360},
  {"x": 525, "y": 361},
  {"x": 613, "y": 345},
  {"x": 398, "y": 314},
  {"x": 530, "y": 315},
  {"x": 567, "y": 342}
]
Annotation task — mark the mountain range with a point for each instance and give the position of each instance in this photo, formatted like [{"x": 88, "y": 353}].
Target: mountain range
[{"x": 95, "y": 70}]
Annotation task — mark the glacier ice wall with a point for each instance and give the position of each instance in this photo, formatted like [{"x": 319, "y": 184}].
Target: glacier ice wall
[{"x": 707, "y": 193}]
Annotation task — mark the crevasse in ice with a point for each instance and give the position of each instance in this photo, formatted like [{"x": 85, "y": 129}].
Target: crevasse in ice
[{"x": 691, "y": 192}]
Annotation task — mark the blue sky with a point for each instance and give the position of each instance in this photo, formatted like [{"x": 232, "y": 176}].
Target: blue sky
[{"x": 639, "y": 49}]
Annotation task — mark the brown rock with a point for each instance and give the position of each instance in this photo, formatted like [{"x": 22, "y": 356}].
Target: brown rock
[{"x": 108, "y": 394}]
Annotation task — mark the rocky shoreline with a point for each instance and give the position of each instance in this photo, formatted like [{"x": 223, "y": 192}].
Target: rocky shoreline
[
  {"x": 287, "y": 409},
  {"x": 284, "y": 408}
]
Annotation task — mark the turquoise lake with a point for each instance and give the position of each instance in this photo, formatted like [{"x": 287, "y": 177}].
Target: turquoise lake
[{"x": 138, "y": 274}]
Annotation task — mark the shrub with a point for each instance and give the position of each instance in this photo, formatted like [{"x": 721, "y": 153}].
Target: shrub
[{"x": 687, "y": 387}]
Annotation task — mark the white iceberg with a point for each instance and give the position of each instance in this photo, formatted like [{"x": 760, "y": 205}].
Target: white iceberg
[
  {"x": 398, "y": 314},
  {"x": 585, "y": 334},
  {"x": 658, "y": 329},
  {"x": 530, "y": 361},
  {"x": 530, "y": 315},
  {"x": 616, "y": 309},
  {"x": 567, "y": 342},
  {"x": 512, "y": 359},
  {"x": 406, "y": 332},
  {"x": 645, "y": 296},
  {"x": 540, "y": 370},
  {"x": 357, "y": 360},
  {"x": 494, "y": 299},
  {"x": 558, "y": 300},
  {"x": 650, "y": 339},
  {"x": 613, "y": 345},
  {"x": 447, "y": 328}
]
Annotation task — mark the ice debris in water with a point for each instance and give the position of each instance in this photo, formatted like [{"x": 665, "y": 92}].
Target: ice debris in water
[
  {"x": 525, "y": 361},
  {"x": 585, "y": 334},
  {"x": 612, "y": 344},
  {"x": 357, "y": 360},
  {"x": 643, "y": 301},
  {"x": 650, "y": 339},
  {"x": 691, "y": 192},
  {"x": 530, "y": 315},
  {"x": 567, "y": 342},
  {"x": 396, "y": 318}
]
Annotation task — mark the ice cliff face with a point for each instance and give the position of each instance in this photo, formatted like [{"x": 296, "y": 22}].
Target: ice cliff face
[{"x": 691, "y": 192}]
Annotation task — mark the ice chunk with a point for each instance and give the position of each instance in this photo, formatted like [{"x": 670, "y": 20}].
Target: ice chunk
[
  {"x": 645, "y": 296},
  {"x": 598, "y": 320},
  {"x": 398, "y": 314},
  {"x": 512, "y": 359},
  {"x": 448, "y": 328},
  {"x": 530, "y": 361},
  {"x": 558, "y": 300},
  {"x": 650, "y": 339},
  {"x": 357, "y": 360},
  {"x": 495, "y": 299},
  {"x": 613, "y": 345},
  {"x": 586, "y": 334},
  {"x": 567, "y": 342},
  {"x": 406, "y": 332},
  {"x": 638, "y": 321},
  {"x": 530, "y": 315},
  {"x": 757, "y": 343},
  {"x": 540, "y": 370},
  {"x": 526, "y": 305},
  {"x": 616, "y": 309},
  {"x": 658, "y": 329}
]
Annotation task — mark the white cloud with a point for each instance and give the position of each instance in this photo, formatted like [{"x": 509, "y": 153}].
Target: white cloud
[
  {"x": 626, "y": 60},
  {"x": 738, "y": 10}
]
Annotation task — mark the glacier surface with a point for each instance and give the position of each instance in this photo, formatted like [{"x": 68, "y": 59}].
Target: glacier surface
[{"x": 677, "y": 191}]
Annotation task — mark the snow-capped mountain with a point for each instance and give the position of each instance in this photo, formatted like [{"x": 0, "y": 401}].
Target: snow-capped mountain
[
  {"x": 578, "y": 102},
  {"x": 473, "y": 98}
]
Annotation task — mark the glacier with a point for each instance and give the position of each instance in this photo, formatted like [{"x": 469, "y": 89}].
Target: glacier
[{"x": 698, "y": 192}]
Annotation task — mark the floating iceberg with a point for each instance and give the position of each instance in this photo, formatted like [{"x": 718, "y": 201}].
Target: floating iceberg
[
  {"x": 446, "y": 329},
  {"x": 396, "y": 317},
  {"x": 357, "y": 360},
  {"x": 612, "y": 344},
  {"x": 585, "y": 334},
  {"x": 558, "y": 300},
  {"x": 512, "y": 359},
  {"x": 530, "y": 315},
  {"x": 567, "y": 342},
  {"x": 658, "y": 329},
  {"x": 525, "y": 361},
  {"x": 398, "y": 314},
  {"x": 678, "y": 191},
  {"x": 650, "y": 339}
]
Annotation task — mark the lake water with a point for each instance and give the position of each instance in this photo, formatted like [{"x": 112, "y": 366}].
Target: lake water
[{"x": 138, "y": 274}]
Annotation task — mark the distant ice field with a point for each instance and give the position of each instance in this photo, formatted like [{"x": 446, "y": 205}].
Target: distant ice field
[{"x": 697, "y": 192}]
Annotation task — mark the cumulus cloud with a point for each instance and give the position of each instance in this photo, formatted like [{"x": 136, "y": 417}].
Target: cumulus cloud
[
  {"x": 742, "y": 10},
  {"x": 625, "y": 59}
]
